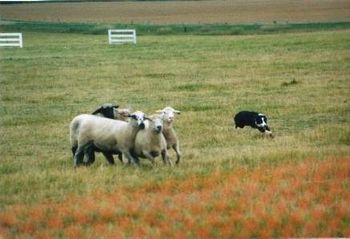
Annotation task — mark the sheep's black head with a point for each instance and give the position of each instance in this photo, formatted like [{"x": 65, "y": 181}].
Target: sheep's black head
[{"x": 107, "y": 110}]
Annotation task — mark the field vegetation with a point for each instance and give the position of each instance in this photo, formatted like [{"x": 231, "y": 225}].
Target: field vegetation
[
  {"x": 170, "y": 29},
  {"x": 182, "y": 12},
  {"x": 230, "y": 183}
]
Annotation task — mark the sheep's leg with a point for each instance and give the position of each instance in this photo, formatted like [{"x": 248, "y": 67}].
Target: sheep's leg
[
  {"x": 90, "y": 152},
  {"x": 166, "y": 158},
  {"x": 120, "y": 157},
  {"x": 148, "y": 156},
  {"x": 74, "y": 149},
  {"x": 178, "y": 153},
  {"x": 79, "y": 156},
  {"x": 109, "y": 157},
  {"x": 131, "y": 159}
]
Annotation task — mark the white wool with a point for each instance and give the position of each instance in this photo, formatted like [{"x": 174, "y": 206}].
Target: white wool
[
  {"x": 168, "y": 116},
  {"x": 106, "y": 134},
  {"x": 150, "y": 142}
]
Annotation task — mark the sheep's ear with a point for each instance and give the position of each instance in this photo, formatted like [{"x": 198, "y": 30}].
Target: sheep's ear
[
  {"x": 177, "y": 112},
  {"x": 115, "y": 106},
  {"x": 97, "y": 111},
  {"x": 132, "y": 116},
  {"x": 159, "y": 111}
]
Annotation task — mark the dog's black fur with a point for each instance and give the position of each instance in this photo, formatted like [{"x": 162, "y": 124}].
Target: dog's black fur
[{"x": 253, "y": 119}]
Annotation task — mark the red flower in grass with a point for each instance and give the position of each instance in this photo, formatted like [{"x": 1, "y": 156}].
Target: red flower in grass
[
  {"x": 318, "y": 213},
  {"x": 55, "y": 223},
  {"x": 334, "y": 224},
  {"x": 139, "y": 232},
  {"x": 73, "y": 232},
  {"x": 203, "y": 232},
  {"x": 80, "y": 216},
  {"x": 27, "y": 228},
  {"x": 342, "y": 210},
  {"x": 249, "y": 228},
  {"x": 107, "y": 214},
  {"x": 43, "y": 234},
  {"x": 346, "y": 232},
  {"x": 37, "y": 214},
  {"x": 264, "y": 233},
  {"x": 296, "y": 218},
  {"x": 288, "y": 231},
  {"x": 8, "y": 219},
  {"x": 165, "y": 229},
  {"x": 310, "y": 229},
  {"x": 272, "y": 223}
]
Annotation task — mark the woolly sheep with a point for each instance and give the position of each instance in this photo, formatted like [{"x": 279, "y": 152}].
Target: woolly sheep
[
  {"x": 90, "y": 132},
  {"x": 150, "y": 142},
  {"x": 168, "y": 116},
  {"x": 111, "y": 111}
]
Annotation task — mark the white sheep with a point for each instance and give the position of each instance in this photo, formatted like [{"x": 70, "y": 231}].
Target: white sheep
[
  {"x": 110, "y": 111},
  {"x": 168, "y": 116},
  {"x": 150, "y": 142},
  {"x": 89, "y": 133}
]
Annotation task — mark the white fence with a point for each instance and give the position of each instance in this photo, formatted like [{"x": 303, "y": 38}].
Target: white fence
[
  {"x": 11, "y": 39},
  {"x": 122, "y": 36}
]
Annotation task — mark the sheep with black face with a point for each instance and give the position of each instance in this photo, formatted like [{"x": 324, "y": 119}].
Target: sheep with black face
[
  {"x": 112, "y": 111},
  {"x": 253, "y": 119}
]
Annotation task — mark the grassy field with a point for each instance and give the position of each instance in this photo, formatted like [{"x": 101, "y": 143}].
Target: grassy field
[
  {"x": 227, "y": 176},
  {"x": 170, "y": 29}
]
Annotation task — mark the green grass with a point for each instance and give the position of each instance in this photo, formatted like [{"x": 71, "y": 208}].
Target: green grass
[
  {"x": 171, "y": 29},
  {"x": 300, "y": 80}
]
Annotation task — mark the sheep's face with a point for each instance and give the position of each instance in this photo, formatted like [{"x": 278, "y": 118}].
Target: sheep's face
[
  {"x": 168, "y": 114},
  {"x": 107, "y": 110},
  {"x": 261, "y": 123},
  {"x": 138, "y": 117},
  {"x": 157, "y": 125}
]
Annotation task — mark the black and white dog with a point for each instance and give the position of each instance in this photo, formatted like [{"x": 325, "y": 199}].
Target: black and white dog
[{"x": 253, "y": 119}]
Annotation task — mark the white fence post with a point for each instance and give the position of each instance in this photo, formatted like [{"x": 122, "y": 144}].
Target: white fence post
[
  {"x": 11, "y": 39},
  {"x": 120, "y": 36}
]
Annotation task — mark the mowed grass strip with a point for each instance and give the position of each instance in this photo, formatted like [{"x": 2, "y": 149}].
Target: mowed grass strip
[{"x": 300, "y": 81}]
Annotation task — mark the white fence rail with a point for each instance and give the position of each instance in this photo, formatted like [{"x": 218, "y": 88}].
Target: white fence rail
[
  {"x": 121, "y": 36},
  {"x": 11, "y": 39}
]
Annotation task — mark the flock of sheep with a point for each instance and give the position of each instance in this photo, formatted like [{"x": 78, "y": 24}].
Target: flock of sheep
[{"x": 111, "y": 131}]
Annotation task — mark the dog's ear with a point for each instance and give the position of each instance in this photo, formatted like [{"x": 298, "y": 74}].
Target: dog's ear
[{"x": 265, "y": 119}]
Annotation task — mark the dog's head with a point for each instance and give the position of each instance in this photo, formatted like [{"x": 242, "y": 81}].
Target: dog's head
[{"x": 261, "y": 123}]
